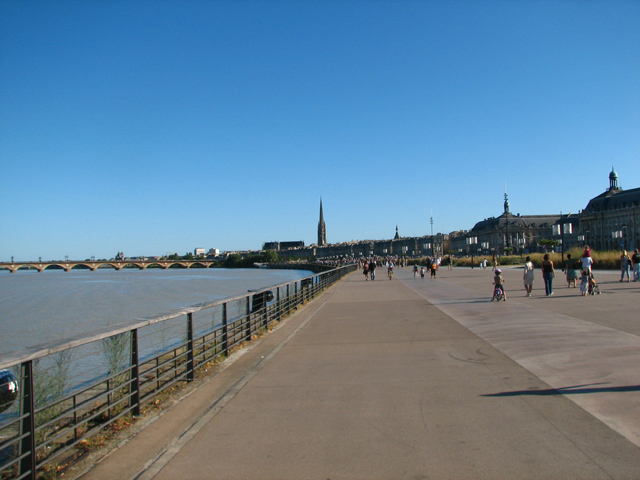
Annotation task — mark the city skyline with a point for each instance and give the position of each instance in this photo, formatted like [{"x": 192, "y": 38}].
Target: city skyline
[{"x": 158, "y": 127}]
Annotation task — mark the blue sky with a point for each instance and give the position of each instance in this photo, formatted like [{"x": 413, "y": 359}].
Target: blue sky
[{"x": 153, "y": 127}]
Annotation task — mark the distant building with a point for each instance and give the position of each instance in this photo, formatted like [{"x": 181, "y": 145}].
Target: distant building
[
  {"x": 198, "y": 252},
  {"x": 213, "y": 252},
  {"x": 282, "y": 245},
  {"x": 611, "y": 221},
  {"x": 509, "y": 233}
]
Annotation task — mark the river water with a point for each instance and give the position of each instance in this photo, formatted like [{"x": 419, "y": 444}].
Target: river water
[{"x": 38, "y": 307}]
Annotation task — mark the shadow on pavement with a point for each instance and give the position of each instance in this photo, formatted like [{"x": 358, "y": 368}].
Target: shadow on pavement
[{"x": 576, "y": 390}]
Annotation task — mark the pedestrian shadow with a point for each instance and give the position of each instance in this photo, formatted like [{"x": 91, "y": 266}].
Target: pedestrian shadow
[{"x": 575, "y": 390}]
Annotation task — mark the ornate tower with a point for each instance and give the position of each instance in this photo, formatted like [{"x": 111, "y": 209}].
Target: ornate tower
[
  {"x": 613, "y": 180},
  {"x": 322, "y": 229}
]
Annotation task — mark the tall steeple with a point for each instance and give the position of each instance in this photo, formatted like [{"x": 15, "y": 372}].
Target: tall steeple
[{"x": 322, "y": 228}]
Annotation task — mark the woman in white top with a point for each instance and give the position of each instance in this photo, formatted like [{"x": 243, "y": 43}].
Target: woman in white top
[
  {"x": 527, "y": 277},
  {"x": 587, "y": 261}
]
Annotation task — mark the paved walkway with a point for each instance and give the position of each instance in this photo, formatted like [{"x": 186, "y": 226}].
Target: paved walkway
[{"x": 416, "y": 379}]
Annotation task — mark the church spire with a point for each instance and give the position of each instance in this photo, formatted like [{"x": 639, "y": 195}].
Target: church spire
[{"x": 322, "y": 228}]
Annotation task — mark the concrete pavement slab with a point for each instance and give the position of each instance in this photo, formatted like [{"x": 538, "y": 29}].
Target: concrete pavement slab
[{"x": 591, "y": 357}]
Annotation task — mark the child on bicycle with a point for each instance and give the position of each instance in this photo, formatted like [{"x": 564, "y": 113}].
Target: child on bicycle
[{"x": 498, "y": 284}]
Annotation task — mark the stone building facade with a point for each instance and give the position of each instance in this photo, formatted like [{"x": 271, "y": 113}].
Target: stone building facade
[
  {"x": 508, "y": 233},
  {"x": 611, "y": 221}
]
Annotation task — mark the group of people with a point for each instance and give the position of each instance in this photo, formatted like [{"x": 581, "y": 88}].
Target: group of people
[
  {"x": 572, "y": 267},
  {"x": 575, "y": 269},
  {"x": 432, "y": 266},
  {"x": 369, "y": 265}
]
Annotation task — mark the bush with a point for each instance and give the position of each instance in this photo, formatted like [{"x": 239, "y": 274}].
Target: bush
[{"x": 601, "y": 260}]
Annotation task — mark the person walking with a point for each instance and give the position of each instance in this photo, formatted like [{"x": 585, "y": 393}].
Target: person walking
[
  {"x": 635, "y": 259},
  {"x": 548, "y": 272},
  {"x": 571, "y": 271},
  {"x": 584, "y": 283},
  {"x": 527, "y": 277},
  {"x": 625, "y": 266},
  {"x": 586, "y": 259},
  {"x": 372, "y": 269}
]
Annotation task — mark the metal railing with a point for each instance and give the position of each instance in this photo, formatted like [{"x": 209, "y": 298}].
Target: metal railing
[{"x": 59, "y": 400}]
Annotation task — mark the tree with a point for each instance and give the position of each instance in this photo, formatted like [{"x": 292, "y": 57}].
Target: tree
[
  {"x": 233, "y": 261},
  {"x": 546, "y": 244},
  {"x": 270, "y": 256}
]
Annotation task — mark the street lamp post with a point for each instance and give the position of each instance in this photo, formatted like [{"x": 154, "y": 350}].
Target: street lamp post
[
  {"x": 432, "y": 242},
  {"x": 471, "y": 242},
  {"x": 562, "y": 240}
]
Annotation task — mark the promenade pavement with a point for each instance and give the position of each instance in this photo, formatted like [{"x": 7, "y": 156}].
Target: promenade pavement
[{"x": 415, "y": 379}]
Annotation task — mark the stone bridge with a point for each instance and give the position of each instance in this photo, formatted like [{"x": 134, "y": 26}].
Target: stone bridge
[{"x": 94, "y": 265}]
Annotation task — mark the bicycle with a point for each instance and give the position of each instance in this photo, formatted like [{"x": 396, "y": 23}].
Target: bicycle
[{"x": 498, "y": 294}]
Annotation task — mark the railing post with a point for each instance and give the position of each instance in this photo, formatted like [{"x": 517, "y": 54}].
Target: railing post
[
  {"x": 279, "y": 310},
  {"x": 75, "y": 418},
  {"x": 134, "y": 384},
  {"x": 247, "y": 325},
  {"x": 288, "y": 299},
  {"x": 225, "y": 330},
  {"x": 27, "y": 424},
  {"x": 190, "y": 365}
]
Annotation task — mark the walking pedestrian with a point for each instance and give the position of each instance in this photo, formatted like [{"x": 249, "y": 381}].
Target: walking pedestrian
[
  {"x": 571, "y": 271},
  {"x": 635, "y": 259},
  {"x": 586, "y": 259},
  {"x": 548, "y": 272},
  {"x": 372, "y": 269},
  {"x": 527, "y": 277},
  {"x": 625, "y": 265}
]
